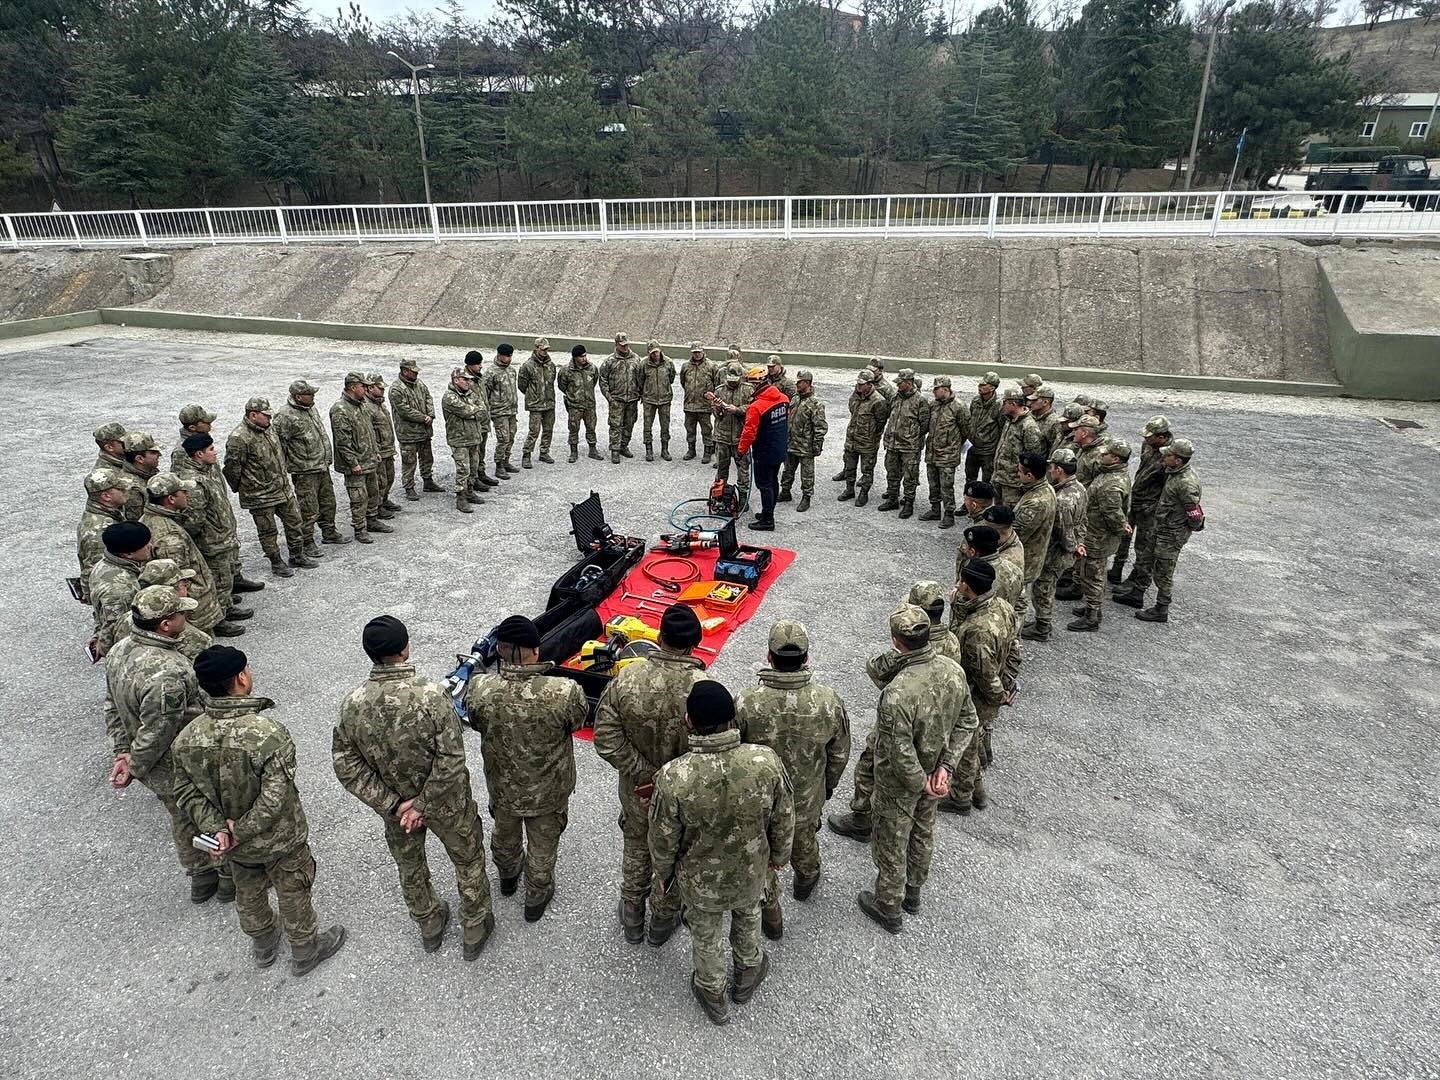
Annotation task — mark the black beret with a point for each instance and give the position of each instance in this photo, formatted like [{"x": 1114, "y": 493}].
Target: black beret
[
  {"x": 979, "y": 489},
  {"x": 193, "y": 444},
  {"x": 219, "y": 663},
  {"x": 979, "y": 575},
  {"x": 518, "y": 630},
  {"x": 385, "y": 635},
  {"x": 474, "y": 356},
  {"x": 999, "y": 514},
  {"x": 577, "y": 350},
  {"x": 505, "y": 349},
  {"x": 680, "y": 627},
  {"x": 1034, "y": 464},
  {"x": 125, "y": 537},
  {"x": 983, "y": 539},
  {"x": 709, "y": 704}
]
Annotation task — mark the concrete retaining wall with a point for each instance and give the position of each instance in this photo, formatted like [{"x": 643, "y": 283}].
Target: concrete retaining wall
[{"x": 1383, "y": 310}]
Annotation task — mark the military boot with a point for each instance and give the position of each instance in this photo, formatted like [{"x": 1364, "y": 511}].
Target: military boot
[
  {"x": 911, "y": 903},
  {"x": 487, "y": 480},
  {"x": 475, "y": 497},
  {"x": 784, "y": 495},
  {"x": 948, "y": 521},
  {"x": 1088, "y": 622},
  {"x": 709, "y": 456},
  {"x": 907, "y": 509},
  {"x": 662, "y": 929},
  {"x": 954, "y": 804},
  {"x": 803, "y": 504},
  {"x": 649, "y": 454},
  {"x": 595, "y": 454},
  {"x": 238, "y": 612},
  {"x": 632, "y": 920},
  {"x": 889, "y": 918},
  {"x": 716, "y": 1009},
  {"x": 301, "y": 561},
  {"x": 226, "y": 629},
  {"x": 432, "y": 930},
  {"x": 862, "y": 496},
  {"x": 332, "y": 535},
  {"x": 1129, "y": 596},
  {"x": 979, "y": 798},
  {"x": 384, "y": 513},
  {"x": 535, "y": 905},
  {"x": 855, "y": 826},
  {"x": 312, "y": 550},
  {"x": 477, "y": 936},
  {"x": 888, "y": 503},
  {"x": 625, "y": 451},
  {"x": 266, "y": 948},
  {"x": 412, "y": 495},
  {"x": 508, "y": 885},
  {"x": 362, "y": 536},
  {"x": 306, "y": 958},
  {"x": 242, "y": 584},
  {"x": 394, "y": 507},
  {"x": 1158, "y": 613},
  {"x": 772, "y": 921},
  {"x": 511, "y": 470},
  {"x": 462, "y": 503},
  {"x": 379, "y": 526},
  {"x": 1116, "y": 573},
  {"x": 278, "y": 567},
  {"x": 1069, "y": 592},
  {"x": 574, "y": 453},
  {"x": 838, "y": 476},
  {"x": 933, "y": 514},
  {"x": 748, "y": 980},
  {"x": 525, "y": 462},
  {"x": 848, "y": 493},
  {"x": 1036, "y": 631},
  {"x": 689, "y": 452},
  {"x": 803, "y": 887},
  {"x": 665, "y": 452},
  {"x": 431, "y": 485},
  {"x": 204, "y": 885},
  {"x": 614, "y": 457},
  {"x": 546, "y": 458}
]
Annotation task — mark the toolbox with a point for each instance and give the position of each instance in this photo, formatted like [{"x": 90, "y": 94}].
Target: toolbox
[{"x": 740, "y": 564}]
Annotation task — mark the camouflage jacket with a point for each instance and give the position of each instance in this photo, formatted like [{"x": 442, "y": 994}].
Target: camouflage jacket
[
  {"x": 640, "y": 721},
  {"x": 924, "y": 719},
  {"x": 354, "y": 438},
  {"x": 949, "y": 428},
  {"x": 136, "y": 498},
  {"x": 908, "y": 424},
  {"x": 1149, "y": 480},
  {"x": 1050, "y": 433},
  {"x": 1013, "y": 551},
  {"x": 722, "y": 815},
  {"x": 399, "y": 739},
  {"x": 620, "y": 377},
  {"x": 211, "y": 518},
  {"x": 808, "y": 426},
  {"x": 1018, "y": 436},
  {"x": 152, "y": 696},
  {"x": 987, "y": 631},
  {"x": 883, "y": 667},
  {"x": 805, "y": 723},
  {"x": 113, "y": 584},
  {"x": 1087, "y": 461},
  {"x": 467, "y": 417},
  {"x": 303, "y": 438},
  {"x": 190, "y": 644},
  {"x": 1034, "y": 522},
  {"x": 169, "y": 540},
  {"x": 255, "y": 467},
  {"x": 867, "y": 422},
  {"x": 1181, "y": 493},
  {"x": 537, "y": 382},
  {"x": 88, "y": 545},
  {"x": 525, "y": 717},
  {"x": 1071, "y": 508},
  {"x": 728, "y": 426},
  {"x": 384, "y": 428},
  {"x": 985, "y": 422},
  {"x": 657, "y": 381},
  {"x": 577, "y": 384},
  {"x": 234, "y": 763},
  {"x": 500, "y": 389},
  {"x": 1108, "y": 507},
  {"x": 786, "y": 384},
  {"x": 696, "y": 380},
  {"x": 885, "y": 388},
  {"x": 413, "y": 409}
]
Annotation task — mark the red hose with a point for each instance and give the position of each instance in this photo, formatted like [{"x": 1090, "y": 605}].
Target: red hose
[{"x": 672, "y": 584}]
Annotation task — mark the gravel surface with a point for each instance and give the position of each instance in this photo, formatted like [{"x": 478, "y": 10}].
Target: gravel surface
[{"x": 1211, "y": 850}]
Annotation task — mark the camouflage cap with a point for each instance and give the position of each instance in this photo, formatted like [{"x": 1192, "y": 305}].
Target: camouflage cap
[
  {"x": 541, "y": 343},
  {"x": 1082, "y": 399},
  {"x": 622, "y": 339},
  {"x": 805, "y": 375},
  {"x": 734, "y": 353},
  {"x": 163, "y": 485},
  {"x": 461, "y": 373},
  {"x": 1074, "y": 411},
  {"x": 1014, "y": 394},
  {"x": 374, "y": 378},
  {"x": 651, "y": 346},
  {"x": 876, "y": 363},
  {"x": 1088, "y": 421},
  {"x": 305, "y": 386},
  {"x": 1181, "y": 448},
  {"x": 991, "y": 378},
  {"x": 774, "y": 361},
  {"x": 104, "y": 480},
  {"x": 1063, "y": 455},
  {"x": 138, "y": 442},
  {"x": 261, "y": 404},
  {"x": 1097, "y": 405},
  {"x": 109, "y": 432},
  {"x": 1119, "y": 448},
  {"x": 354, "y": 378},
  {"x": 789, "y": 636},
  {"x": 695, "y": 346},
  {"x": 1157, "y": 425},
  {"x": 909, "y": 622},
  {"x": 939, "y": 381},
  {"x": 196, "y": 414},
  {"x": 160, "y": 602},
  {"x": 164, "y": 572},
  {"x": 734, "y": 372},
  {"x": 865, "y": 375},
  {"x": 906, "y": 374},
  {"x": 1032, "y": 381},
  {"x": 410, "y": 365},
  {"x": 1043, "y": 393},
  {"x": 926, "y": 594}
]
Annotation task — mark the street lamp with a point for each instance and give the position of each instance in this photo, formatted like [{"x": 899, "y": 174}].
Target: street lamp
[
  {"x": 419, "y": 123},
  {"x": 1204, "y": 90}
]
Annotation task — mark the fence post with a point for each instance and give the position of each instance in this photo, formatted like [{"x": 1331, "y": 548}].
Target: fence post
[
  {"x": 10, "y": 231},
  {"x": 140, "y": 227},
  {"x": 75, "y": 227},
  {"x": 694, "y": 221},
  {"x": 604, "y": 220},
  {"x": 1215, "y": 214},
  {"x": 516, "y": 208},
  {"x": 280, "y": 217},
  {"x": 1338, "y": 211},
  {"x": 1100, "y": 221},
  {"x": 994, "y": 208},
  {"x": 355, "y": 219},
  {"x": 789, "y": 216},
  {"x": 435, "y": 222},
  {"x": 210, "y": 226},
  {"x": 887, "y": 214}
]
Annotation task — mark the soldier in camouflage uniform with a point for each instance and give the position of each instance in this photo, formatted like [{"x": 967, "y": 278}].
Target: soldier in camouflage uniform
[
  {"x": 1042, "y": 408},
  {"x": 944, "y": 447},
  {"x": 1144, "y": 496},
  {"x": 151, "y": 695},
  {"x": 526, "y": 717},
  {"x": 465, "y": 422},
  {"x": 979, "y": 496},
  {"x": 110, "y": 443},
  {"x": 869, "y": 410},
  {"x": 414, "y": 412},
  {"x": 698, "y": 377},
  {"x": 805, "y": 723},
  {"x": 169, "y": 539},
  {"x": 657, "y": 392},
  {"x": 883, "y": 385},
  {"x": 255, "y": 470},
  {"x": 211, "y": 521},
  {"x": 1089, "y": 443},
  {"x": 729, "y": 404},
  {"x": 142, "y": 461},
  {"x": 384, "y": 442},
  {"x": 983, "y": 542},
  {"x": 106, "y": 493},
  {"x": 985, "y": 627},
  {"x": 637, "y": 730},
  {"x": 620, "y": 383},
  {"x": 577, "y": 382},
  {"x": 906, "y": 429},
  {"x": 235, "y": 779},
  {"x": 115, "y": 579},
  {"x": 501, "y": 391},
  {"x": 357, "y": 458},
  {"x": 1177, "y": 515},
  {"x": 721, "y": 824},
  {"x": 400, "y": 750},
  {"x": 775, "y": 374},
  {"x": 1067, "y": 540},
  {"x": 194, "y": 420},
  {"x": 1106, "y": 519},
  {"x": 1034, "y": 520},
  {"x": 924, "y": 723},
  {"x": 985, "y": 423},
  {"x": 537, "y": 382},
  {"x": 305, "y": 445},
  {"x": 1019, "y": 435},
  {"x": 1065, "y": 427},
  {"x": 808, "y": 428},
  {"x": 192, "y": 640}
]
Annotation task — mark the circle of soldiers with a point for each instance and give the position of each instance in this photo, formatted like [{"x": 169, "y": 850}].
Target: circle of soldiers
[{"x": 718, "y": 793}]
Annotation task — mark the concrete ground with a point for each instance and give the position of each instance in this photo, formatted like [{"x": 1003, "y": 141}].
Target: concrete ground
[{"x": 1211, "y": 851}]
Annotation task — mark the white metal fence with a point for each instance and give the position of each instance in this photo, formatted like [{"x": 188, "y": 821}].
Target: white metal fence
[{"x": 1208, "y": 214}]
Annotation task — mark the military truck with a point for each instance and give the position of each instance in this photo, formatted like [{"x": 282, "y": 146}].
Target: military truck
[{"x": 1393, "y": 177}]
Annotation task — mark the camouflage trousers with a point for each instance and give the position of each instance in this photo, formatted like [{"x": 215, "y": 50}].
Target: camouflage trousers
[
  {"x": 707, "y": 944},
  {"x": 413, "y": 454},
  {"x": 1092, "y": 571},
  {"x": 363, "y": 491},
  {"x": 652, "y": 412},
  {"x": 289, "y": 514},
  {"x": 968, "y": 781},
  {"x": 864, "y": 778},
  {"x": 315, "y": 492},
  {"x": 902, "y": 842},
  {"x": 1165, "y": 555},
  {"x": 623, "y": 415},
  {"x": 464, "y": 838},
  {"x": 702, "y": 422},
  {"x": 902, "y": 474},
  {"x": 724, "y": 455},
  {"x": 636, "y": 874},
  {"x": 578, "y": 417},
  {"x": 941, "y": 481},
  {"x": 385, "y": 475},
  {"x": 804, "y": 857},
  {"x": 804, "y": 464},
  {"x": 1056, "y": 562},
  {"x": 859, "y": 467},
  {"x": 223, "y": 565},
  {"x": 161, "y": 780},
  {"x": 533, "y": 842},
  {"x": 469, "y": 464},
  {"x": 979, "y": 465},
  {"x": 542, "y": 428},
  {"x": 1144, "y": 541},
  {"x": 292, "y": 876},
  {"x": 505, "y": 428}
]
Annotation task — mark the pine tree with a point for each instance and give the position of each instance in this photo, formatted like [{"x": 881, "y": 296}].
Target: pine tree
[
  {"x": 106, "y": 141},
  {"x": 891, "y": 83},
  {"x": 268, "y": 137},
  {"x": 981, "y": 128},
  {"x": 676, "y": 125},
  {"x": 554, "y": 130}
]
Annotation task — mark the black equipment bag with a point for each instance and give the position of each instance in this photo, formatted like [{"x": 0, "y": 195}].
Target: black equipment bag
[{"x": 605, "y": 558}]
